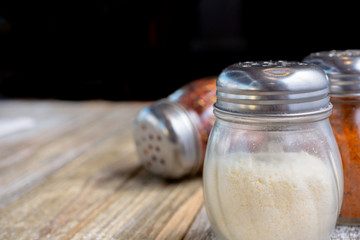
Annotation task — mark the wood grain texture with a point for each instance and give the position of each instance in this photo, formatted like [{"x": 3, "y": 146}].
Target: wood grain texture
[
  {"x": 74, "y": 174},
  {"x": 200, "y": 228}
]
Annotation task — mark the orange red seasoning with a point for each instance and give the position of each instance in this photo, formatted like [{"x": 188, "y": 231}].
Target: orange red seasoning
[
  {"x": 198, "y": 99},
  {"x": 345, "y": 121}
]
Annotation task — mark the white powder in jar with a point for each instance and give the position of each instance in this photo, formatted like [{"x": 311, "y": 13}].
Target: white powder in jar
[{"x": 272, "y": 196}]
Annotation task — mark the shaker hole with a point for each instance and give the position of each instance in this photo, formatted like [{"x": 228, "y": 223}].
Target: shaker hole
[
  {"x": 151, "y": 137},
  {"x": 150, "y": 146},
  {"x": 153, "y": 158},
  {"x": 145, "y": 151},
  {"x": 157, "y": 148},
  {"x": 162, "y": 161},
  {"x": 158, "y": 137}
]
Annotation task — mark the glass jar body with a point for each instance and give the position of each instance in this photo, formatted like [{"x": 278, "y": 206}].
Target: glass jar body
[
  {"x": 272, "y": 180},
  {"x": 345, "y": 121}
]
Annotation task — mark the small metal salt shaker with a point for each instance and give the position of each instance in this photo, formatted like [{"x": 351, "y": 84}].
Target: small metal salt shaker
[{"x": 171, "y": 134}]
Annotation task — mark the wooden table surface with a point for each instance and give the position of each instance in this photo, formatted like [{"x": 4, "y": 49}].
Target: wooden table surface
[{"x": 68, "y": 170}]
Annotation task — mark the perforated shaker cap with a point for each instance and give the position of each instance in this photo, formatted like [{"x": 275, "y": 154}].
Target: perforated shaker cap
[
  {"x": 166, "y": 140},
  {"x": 273, "y": 88},
  {"x": 343, "y": 69}
]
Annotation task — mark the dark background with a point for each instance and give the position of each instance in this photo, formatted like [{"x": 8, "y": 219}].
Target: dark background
[{"x": 146, "y": 49}]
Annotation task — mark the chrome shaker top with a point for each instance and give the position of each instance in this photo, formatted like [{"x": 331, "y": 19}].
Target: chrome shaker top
[
  {"x": 167, "y": 141},
  {"x": 343, "y": 69},
  {"x": 272, "y": 88}
]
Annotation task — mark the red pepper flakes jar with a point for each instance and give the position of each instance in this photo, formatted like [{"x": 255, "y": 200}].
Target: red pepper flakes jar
[
  {"x": 172, "y": 133},
  {"x": 343, "y": 71}
]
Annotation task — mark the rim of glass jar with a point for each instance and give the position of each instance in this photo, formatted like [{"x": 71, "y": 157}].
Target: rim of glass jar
[{"x": 263, "y": 119}]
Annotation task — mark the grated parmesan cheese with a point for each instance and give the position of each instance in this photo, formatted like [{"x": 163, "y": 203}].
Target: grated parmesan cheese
[{"x": 272, "y": 196}]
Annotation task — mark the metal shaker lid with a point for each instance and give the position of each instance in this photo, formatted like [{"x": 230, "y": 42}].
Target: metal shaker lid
[
  {"x": 273, "y": 88},
  {"x": 342, "y": 68},
  {"x": 166, "y": 140}
]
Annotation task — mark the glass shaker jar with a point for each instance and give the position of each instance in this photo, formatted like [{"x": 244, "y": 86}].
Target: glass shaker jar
[
  {"x": 343, "y": 70},
  {"x": 272, "y": 166},
  {"x": 172, "y": 133}
]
